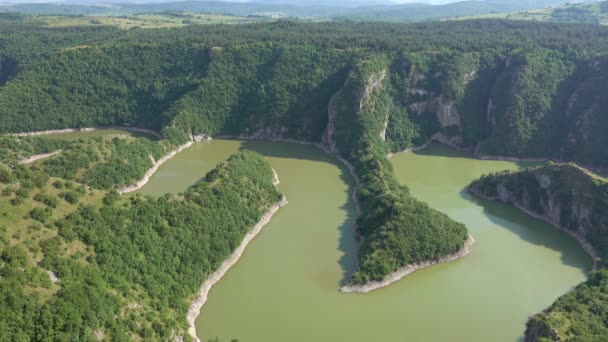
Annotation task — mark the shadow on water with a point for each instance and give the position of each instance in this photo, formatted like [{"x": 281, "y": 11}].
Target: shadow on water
[
  {"x": 276, "y": 149},
  {"x": 440, "y": 150},
  {"x": 347, "y": 243},
  {"x": 529, "y": 229}
]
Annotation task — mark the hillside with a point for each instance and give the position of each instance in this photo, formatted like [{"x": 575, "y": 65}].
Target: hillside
[
  {"x": 587, "y": 13},
  {"x": 361, "y": 11},
  {"x": 77, "y": 263},
  {"x": 497, "y": 96},
  {"x": 575, "y": 317}
]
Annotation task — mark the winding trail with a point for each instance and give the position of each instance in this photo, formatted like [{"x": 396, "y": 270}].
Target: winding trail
[
  {"x": 87, "y": 129},
  {"x": 203, "y": 293},
  {"x": 39, "y": 157}
]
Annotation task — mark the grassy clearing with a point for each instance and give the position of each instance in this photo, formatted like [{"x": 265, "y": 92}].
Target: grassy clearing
[
  {"x": 591, "y": 13},
  {"x": 148, "y": 20},
  {"x": 18, "y": 227},
  {"x": 104, "y": 133}
]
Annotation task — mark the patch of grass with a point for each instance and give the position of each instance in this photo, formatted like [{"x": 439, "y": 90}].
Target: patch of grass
[{"x": 147, "y": 20}]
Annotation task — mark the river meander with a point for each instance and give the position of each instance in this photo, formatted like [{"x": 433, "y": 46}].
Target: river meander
[{"x": 285, "y": 287}]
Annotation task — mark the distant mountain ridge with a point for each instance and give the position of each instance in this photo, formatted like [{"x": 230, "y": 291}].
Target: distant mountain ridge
[{"x": 374, "y": 10}]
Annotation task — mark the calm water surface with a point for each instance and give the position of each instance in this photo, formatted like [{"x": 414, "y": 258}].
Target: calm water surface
[{"x": 285, "y": 287}]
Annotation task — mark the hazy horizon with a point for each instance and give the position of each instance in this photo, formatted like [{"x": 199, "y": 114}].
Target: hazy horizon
[{"x": 342, "y": 2}]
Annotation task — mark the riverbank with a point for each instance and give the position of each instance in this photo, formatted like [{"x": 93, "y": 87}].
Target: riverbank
[
  {"x": 88, "y": 129},
  {"x": 324, "y": 148},
  {"x": 578, "y": 237},
  {"x": 510, "y": 159},
  {"x": 472, "y": 152},
  {"x": 410, "y": 149},
  {"x": 154, "y": 168},
  {"x": 409, "y": 269},
  {"x": 199, "y": 302},
  {"x": 38, "y": 157}
]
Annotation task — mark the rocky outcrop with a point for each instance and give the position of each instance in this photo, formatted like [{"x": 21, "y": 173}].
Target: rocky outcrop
[
  {"x": 579, "y": 315},
  {"x": 440, "y": 103},
  {"x": 373, "y": 83},
  {"x": 575, "y": 201},
  {"x": 37, "y": 157},
  {"x": 330, "y": 143},
  {"x": 565, "y": 195},
  {"x": 537, "y": 329}
]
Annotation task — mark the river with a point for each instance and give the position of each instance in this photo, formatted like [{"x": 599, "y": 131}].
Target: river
[{"x": 285, "y": 287}]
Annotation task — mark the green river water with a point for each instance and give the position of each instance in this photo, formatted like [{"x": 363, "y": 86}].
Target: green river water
[{"x": 285, "y": 287}]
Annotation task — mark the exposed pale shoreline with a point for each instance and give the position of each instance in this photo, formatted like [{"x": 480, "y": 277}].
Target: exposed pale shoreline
[
  {"x": 154, "y": 168},
  {"x": 38, "y": 157},
  {"x": 87, "y": 129},
  {"x": 409, "y": 269},
  {"x": 410, "y": 149},
  {"x": 511, "y": 159},
  {"x": 127, "y": 189},
  {"x": 197, "y": 305},
  {"x": 344, "y": 162},
  {"x": 585, "y": 245}
]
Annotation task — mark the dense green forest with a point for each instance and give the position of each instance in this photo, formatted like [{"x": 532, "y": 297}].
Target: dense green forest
[
  {"x": 577, "y": 200},
  {"x": 502, "y": 88},
  {"x": 127, "y": 267},
  {"x": 396, "y": 229},
  {"x": 494, "y": 87},
  {"x": 100, "y": 162}
]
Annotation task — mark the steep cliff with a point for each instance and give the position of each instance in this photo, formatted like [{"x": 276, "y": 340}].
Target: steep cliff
[
  {"x": 425, "y": 91},
  {"x": 520, "y": 103},
  {"x": 565, "y": 195},
  {"x": 583, "y": 122},
  {"x": 396, "y": 229},
  {"x": 579, "y": 316},
  {"x": 575, "y": 200}
]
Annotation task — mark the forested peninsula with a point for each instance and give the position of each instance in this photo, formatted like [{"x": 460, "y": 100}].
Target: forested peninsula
[
  {"x": 122, "y": 266},
  {"x": 576, "y": 201},
  {"x": 363, "y": 90}
]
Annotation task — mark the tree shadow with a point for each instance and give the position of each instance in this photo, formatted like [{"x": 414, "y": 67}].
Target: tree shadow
[
  {"x": 529, "y": 229},
  {"x": 276, "y": 149},
  {"x": 436, "y": 149},
  {"x": 348, "y": 242}
]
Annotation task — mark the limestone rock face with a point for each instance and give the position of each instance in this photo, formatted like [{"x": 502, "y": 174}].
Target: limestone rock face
[
  {"x": 564, "y": 195},
  {"x": 567, "y": 196}
]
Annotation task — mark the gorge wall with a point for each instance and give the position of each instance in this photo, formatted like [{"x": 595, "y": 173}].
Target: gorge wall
[
  {"x": 564, "y": 195},
  {"x": 572, "y": 199},
  {"x": 496, "y": 102}
]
